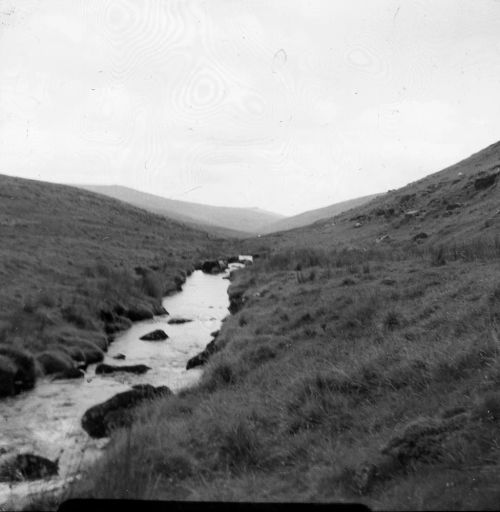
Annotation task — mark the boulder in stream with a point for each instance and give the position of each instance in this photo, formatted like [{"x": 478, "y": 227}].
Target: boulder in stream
[
  {"x": 101, "y": 419},
  {"x": 138, "y": 369},
  {"x": 178, "y": 320},
  {"x": 26, "y": 466},
  {"x": 119, "y": 356},
  {"x": 157, "y": 335}
]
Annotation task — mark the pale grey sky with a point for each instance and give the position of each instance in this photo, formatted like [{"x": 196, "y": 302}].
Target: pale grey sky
[{"x": 287, "y": 105}]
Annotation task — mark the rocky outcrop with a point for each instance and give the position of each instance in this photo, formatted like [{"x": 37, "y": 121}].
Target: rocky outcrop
[
  {"x": 157, "y": 335},
  {"x": 101, "y": 419},
  {"x": 486, "y": 181},
  {"x": 137, "y": 369},
  {"x": 26, "y": 466}
]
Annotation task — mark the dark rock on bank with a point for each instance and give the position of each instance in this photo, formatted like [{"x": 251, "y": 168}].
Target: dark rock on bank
[
  {"x": 72, "y": 373},
  {"x": 138, "y": 369},
  {"x": 159, "y": 310},
  {"x": 101, "y": 419},
  {"x": 17, "y": 371},
  {"x": 157, "y": 335},
  {"x": 119, "y": 356},
  {"x": 138, "y": 313},
  {"x": 201, "y": 358},
  {"x": 26, "y": 466},
  {"x": 236, "y": 300},
  {"x": 213, "y": 266},
  {"x": 179, "y": 320},
  {"x": 55, "y": 361}
]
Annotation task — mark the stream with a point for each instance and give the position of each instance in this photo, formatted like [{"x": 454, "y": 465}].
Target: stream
[{"x": 46, "y": 420}]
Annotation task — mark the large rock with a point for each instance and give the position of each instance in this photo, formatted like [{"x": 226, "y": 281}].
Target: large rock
[
  {"x": 72, "y": 373},
  {"x": 27, "y": 466},
  {"x": 157, "y": 335},
  {"x": 138, "y": 369},
  {"x": 213, "y": 266},
  {"x": 101, "y": 419}
]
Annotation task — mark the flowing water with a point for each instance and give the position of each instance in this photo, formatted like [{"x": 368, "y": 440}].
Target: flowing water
[{"x": 46, "y": 420}]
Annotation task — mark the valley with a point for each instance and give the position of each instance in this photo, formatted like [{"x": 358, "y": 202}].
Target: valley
[{"x": 358, "y": 360}]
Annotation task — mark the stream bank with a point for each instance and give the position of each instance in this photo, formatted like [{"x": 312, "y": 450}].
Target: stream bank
[{"x": 47, "y": 420}]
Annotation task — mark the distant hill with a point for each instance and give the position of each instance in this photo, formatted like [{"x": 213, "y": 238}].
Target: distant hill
[
  {"x": 224, "y": 220},
  {"x": 455, "y": 205},
  {"x": 311, "y": 216}
]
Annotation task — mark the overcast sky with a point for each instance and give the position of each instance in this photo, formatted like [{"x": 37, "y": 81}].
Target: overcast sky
[{"x": 287, "y": 105}]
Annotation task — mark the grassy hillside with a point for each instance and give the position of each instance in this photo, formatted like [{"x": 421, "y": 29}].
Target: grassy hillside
[
  {"x": 451, "y": 206},
  {"x": 309, "y": 217},
  {"x": 238, "y": 222},
  {"x": 76, "y": 267},
  {"x": 367, "y": 373}
]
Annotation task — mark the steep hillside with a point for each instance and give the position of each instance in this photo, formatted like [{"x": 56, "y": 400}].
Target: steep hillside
[
  {"x": 237, "y": 221},
  {"x": 454, "y": 205},
  {"x": 76, "y": 267},
  {"x": 309, "y": 217}
]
